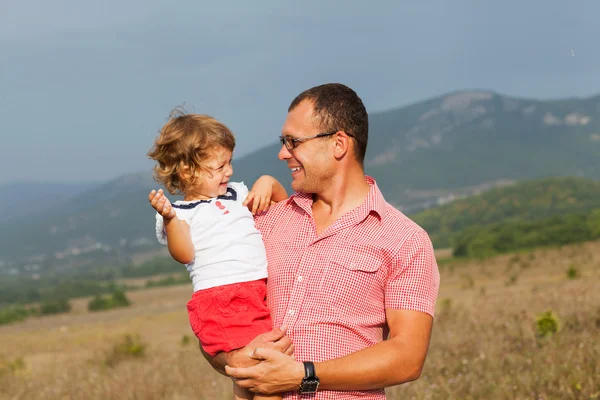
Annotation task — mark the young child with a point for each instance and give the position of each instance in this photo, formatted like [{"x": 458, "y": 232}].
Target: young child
[{"x": 212, "y": 232}]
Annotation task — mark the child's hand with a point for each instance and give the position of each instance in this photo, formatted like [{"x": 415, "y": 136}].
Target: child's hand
[
  {"x": 259, "y": 198},
  {"x": 161, "y": 204}
]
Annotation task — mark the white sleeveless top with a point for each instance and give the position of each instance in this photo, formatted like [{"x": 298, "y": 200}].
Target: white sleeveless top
[{"x": 229, "y": 249}]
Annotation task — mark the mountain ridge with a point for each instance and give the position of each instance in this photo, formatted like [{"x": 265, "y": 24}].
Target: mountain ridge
[{"x": 422, "y": 155}]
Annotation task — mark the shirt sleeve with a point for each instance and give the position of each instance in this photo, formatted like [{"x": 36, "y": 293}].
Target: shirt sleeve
[
  {"x": 414, "y": 279},
  {"x": 183, "y": 215},
  {"x": 240, "y": 189}
]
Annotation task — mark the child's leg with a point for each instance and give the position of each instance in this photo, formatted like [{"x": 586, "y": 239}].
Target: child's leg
[
  {"x": 245, "y": 394},
  {"x": 241, "y": 394}
]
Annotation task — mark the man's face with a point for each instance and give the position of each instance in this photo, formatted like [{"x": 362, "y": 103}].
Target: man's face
[{"x": 311, "y": 162}]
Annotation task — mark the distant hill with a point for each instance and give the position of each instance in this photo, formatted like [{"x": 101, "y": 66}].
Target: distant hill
[
  {"x": 465, "y": 142},
  {"x": 514, "y": 235},
  {"x": 20, "y": 199},
  {"x": 525, "y": 201},
  {"x": 422, "y": 156}
]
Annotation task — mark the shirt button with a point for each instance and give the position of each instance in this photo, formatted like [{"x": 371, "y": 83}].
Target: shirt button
[
  {"x": 291, "y": 312},
  {"x": 300, "y": 279}
]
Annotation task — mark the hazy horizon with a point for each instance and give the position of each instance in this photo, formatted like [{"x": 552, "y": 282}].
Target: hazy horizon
[{"x": 85, "y": 87}]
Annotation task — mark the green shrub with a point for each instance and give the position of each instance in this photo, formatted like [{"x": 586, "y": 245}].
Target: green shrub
[
  {"x": 129, "y": 347},
  {"x": 446, "y": 304},
  {"x": 49, "y": 307},
  {"x": 511, "y": 280},
  {"x": 13, "y": 366},
  {"x": 116, "y": 300},
  {"x": 547, "y": 324},
  {"x": 572, "y": 272},
  {"x": 185, "y": 340},
  {"x": 12, "y": 314}
]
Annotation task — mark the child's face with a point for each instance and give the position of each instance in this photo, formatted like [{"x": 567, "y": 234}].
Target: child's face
[{"x": 213, "y": 181}]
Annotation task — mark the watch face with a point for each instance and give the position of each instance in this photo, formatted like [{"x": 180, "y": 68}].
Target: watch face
[{"x": 309, "y": 386}]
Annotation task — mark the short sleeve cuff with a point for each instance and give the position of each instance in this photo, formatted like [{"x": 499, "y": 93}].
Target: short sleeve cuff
[
  {"x": 161, "y": 235},
  {"x": 241, "y": 189}
]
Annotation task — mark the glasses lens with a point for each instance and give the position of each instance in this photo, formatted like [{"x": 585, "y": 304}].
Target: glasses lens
[{"x": 289, "y": 142}]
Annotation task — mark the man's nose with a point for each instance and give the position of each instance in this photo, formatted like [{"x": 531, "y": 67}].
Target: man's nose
[{"x": 284, "y": 153}]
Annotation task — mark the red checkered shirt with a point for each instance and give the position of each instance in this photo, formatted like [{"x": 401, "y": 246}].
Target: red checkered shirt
[{"x": 332, "y": 289}]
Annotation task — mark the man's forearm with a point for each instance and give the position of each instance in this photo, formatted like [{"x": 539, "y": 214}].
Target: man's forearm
[{"x": 388, "y": 363}]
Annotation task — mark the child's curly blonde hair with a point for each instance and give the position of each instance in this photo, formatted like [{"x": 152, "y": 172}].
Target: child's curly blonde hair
[{"x": 182, "y": 147}]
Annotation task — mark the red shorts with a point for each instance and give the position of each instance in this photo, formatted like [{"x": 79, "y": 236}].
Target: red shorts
[{"x": 228, "y": 317}]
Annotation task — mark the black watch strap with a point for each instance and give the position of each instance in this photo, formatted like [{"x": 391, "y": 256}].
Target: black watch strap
[
  {"x": 309, "y": 370},
  {"x": 310, "y": 382}
]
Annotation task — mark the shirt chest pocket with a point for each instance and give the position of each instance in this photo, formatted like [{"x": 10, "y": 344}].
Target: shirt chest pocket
[{"x": 353, "y": 282}]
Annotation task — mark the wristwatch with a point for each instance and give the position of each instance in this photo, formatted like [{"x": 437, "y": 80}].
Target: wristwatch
[{"x": 310, "y": 382}]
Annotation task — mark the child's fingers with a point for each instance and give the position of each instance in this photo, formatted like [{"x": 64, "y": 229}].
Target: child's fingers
[
  {"x": 263, "y": 205},
  {"x": 248, "y": 199},
  {"x": 151, "y": 195},
  {"x": 256, "y": 205},
  {"x": 167, "y": 209}
]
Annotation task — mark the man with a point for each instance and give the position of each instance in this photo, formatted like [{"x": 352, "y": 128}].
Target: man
[{"x": 346, "y": 270}]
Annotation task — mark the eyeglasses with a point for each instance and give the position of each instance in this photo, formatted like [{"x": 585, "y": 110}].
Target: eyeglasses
[{"x": 291, "y": 143}]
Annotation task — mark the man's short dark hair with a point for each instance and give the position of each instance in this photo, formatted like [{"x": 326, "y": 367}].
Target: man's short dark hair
[{"x": 338, "y": 108}]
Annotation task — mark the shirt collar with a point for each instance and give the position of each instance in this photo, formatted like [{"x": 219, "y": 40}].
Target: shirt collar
[{"x": 374, "y": 202}]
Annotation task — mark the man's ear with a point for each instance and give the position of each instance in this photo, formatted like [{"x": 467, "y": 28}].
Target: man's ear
[{"x": 343, "y": 144}]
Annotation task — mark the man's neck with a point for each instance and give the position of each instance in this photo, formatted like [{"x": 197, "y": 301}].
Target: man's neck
[{"x": 343, "y": 194}]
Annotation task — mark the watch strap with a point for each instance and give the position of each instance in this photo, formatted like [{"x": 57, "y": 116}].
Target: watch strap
[{"x": 309, "y": 370}]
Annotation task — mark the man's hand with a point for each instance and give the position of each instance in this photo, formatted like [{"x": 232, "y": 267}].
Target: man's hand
[
  {"x": 275, "y": 373},
  {"x": 259, "y": 198},
  {"x": 275, "y": 339},
  {"x": 161, "y": 204}
]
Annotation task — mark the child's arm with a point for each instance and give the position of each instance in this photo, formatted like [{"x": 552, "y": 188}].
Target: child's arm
[
  {"x": 179, "y": 241},
  {"x": 266, "y": 189}
]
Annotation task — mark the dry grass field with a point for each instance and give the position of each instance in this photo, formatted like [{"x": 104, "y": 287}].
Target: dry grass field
[{"x": 484, "y": 346}]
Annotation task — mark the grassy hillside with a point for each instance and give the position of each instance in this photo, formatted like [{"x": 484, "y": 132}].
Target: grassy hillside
[
  {"x": 525, "y": 201},
  {"x": 486, "y": 341}
]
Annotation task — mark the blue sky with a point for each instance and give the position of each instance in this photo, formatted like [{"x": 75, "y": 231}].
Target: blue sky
[{"x": 85, "y": 86}]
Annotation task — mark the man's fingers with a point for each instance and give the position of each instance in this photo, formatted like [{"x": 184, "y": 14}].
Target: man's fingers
[
  {"x": 274, "y": 335},
  {"x": 263, "y": 353},
  {"x": 239, "y": 373},
  {"x": 244, "y": 383},
  {"x": 282, "y": 344},
  {"x": 290, "y": 351}
]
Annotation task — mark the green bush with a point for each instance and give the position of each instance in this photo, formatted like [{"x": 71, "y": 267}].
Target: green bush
[
  {"x": 13, "y": 366},
  {"x": 60, "y": 306},
  {"x": 12, "y": 314},
  {"x": 130, "y": 346},
  {"x": 185, "y": 340},
  {"x": 116, "y": 300},
  {"x": 572, "y": 272},
  {"x": 547, "y": 324}
]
